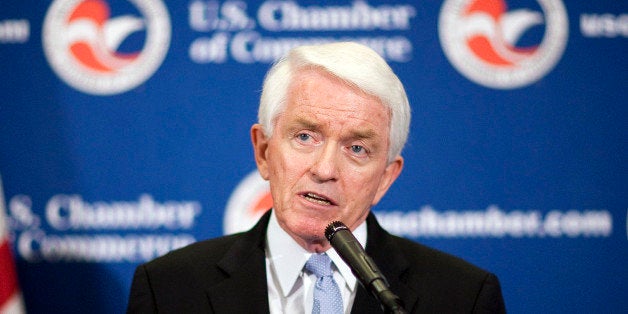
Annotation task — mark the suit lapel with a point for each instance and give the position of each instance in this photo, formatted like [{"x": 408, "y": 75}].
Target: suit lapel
[
  {"x": 244, "y": 289},
  {"x": 390, "y": 260}
]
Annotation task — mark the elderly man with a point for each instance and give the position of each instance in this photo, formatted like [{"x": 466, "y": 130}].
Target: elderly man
[{"x": 333, "y": 120}]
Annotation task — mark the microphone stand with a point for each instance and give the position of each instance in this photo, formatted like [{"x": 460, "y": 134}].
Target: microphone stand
[{"x": 389, "y": 301}]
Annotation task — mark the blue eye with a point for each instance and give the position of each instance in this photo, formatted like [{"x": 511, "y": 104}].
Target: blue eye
[
  {"x": 357, "y": 149},
  {"x": 303, "y": 137}
]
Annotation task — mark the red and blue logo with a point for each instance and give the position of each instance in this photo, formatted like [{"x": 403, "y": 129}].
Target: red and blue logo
[
  {"x": 500, "y": 47},
  {"x": 101, "y": 53},
  {"x": 247, "y": 203}
]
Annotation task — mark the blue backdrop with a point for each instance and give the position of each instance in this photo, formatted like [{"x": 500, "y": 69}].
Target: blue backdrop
[{"x": 124, "y": 133}]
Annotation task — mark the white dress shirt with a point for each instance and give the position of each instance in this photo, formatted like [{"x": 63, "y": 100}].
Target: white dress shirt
[{"x": 290, "y": 288}]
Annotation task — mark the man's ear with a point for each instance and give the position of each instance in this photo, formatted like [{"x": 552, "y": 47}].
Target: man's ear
[
  {"x": 260, "y": 148},
  {"x": 390, "y": 175}
]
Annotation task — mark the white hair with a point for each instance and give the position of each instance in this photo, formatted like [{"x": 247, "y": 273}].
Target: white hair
[{"x": 353, "y": 63}]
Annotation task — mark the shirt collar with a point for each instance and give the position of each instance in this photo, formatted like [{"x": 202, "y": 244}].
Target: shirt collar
[{"x": 290, "y": 257}]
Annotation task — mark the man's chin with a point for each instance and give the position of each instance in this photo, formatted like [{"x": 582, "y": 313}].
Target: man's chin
[
  {"x": 316, "y": 245},
  {"x": 310, "y": 236},
  {"x": 313, "y": 235}
]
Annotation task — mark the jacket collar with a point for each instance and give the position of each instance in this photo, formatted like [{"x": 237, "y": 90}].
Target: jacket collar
[{"x": 244, "y": 288}]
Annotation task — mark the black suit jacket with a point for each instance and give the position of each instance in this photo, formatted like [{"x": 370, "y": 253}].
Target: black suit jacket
[{"x": 228, "y": 275}]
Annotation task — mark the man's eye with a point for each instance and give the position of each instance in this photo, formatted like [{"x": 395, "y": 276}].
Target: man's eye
[
  {"x": 357, "y": 149},
  {"x": 303, "y": 137}
]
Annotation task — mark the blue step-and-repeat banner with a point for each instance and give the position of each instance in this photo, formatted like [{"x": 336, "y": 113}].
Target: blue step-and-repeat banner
[{"x": 124, "y": 133}]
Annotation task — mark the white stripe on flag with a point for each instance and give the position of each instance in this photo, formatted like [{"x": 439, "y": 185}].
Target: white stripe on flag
[{"x": 14, "y": 305}]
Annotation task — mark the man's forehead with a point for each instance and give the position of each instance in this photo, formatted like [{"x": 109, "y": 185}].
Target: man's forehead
[{"x": 318, "y": 99}]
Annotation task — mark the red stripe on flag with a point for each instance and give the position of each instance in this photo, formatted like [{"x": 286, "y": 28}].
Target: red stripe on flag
[{"x": 8, "y": 276}]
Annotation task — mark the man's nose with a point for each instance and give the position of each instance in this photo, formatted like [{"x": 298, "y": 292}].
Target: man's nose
[{"x": 325, "y": 166}]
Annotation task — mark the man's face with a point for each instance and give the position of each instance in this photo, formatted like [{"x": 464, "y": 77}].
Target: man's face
[{"x": 327, "y": 158}]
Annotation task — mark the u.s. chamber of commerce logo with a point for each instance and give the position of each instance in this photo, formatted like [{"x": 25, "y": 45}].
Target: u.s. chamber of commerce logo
[
  {"x": 248, "y": 202},
  {"x": 500, "y": 47},
  {"x": 101, "y": 53}
]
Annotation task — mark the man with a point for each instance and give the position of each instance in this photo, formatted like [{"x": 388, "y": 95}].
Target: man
[{"x": 333, "y": 120}]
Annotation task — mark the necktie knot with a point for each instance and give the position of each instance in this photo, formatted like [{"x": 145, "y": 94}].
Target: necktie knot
[
  {"x": 319, "y": 265},
  {"x": 327, "y": 298}
]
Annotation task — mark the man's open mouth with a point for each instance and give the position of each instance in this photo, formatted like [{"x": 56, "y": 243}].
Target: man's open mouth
[{"x": 314, "y": 198}]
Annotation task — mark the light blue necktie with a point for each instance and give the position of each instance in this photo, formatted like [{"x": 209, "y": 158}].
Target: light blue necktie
[{"x": 327, "y": 298}]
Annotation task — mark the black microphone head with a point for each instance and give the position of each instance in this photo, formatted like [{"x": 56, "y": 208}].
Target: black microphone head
[{"x": 333, "y": 227}]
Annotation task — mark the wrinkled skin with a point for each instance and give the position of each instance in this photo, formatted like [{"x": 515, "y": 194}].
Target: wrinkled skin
[{"x": 327, "y": 158}]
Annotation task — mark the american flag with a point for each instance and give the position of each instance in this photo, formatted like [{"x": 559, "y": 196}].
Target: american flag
[{"x": 10, "y": 296}]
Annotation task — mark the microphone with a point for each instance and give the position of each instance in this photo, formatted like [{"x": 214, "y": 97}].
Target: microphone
[{"x": 362, "y": 266}]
